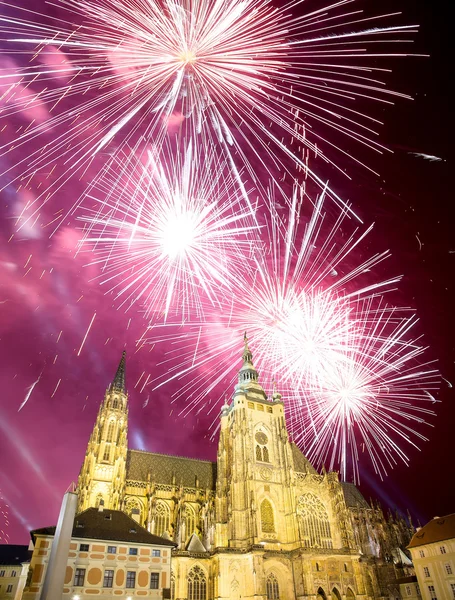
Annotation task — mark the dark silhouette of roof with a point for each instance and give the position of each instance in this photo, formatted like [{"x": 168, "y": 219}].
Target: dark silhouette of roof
[
  {"x": 166, "y": 469},
  {"x": 112, "y": 525},
  {"x": 11, "y": 554},
  {"x": 437, "y": 530}
]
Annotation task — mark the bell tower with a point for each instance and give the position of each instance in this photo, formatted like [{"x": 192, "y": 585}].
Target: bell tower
[
  {"x": 255, "y": 463},
  {"x": 102, "y": 476}
]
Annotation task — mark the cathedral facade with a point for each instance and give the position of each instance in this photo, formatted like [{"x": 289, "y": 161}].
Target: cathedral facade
[{"x": 259, "y": 523}]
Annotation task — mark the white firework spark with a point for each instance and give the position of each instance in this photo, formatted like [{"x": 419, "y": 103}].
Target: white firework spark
[
  {"x": 264, "y": 83},
  {"x": 175, "y": 237}
]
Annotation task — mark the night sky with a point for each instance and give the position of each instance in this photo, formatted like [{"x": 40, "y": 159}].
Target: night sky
[{"x": 48, "y": 297}]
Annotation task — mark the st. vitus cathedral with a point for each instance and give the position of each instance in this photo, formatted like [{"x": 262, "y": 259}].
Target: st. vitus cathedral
[{"x": 259, "y": 523}]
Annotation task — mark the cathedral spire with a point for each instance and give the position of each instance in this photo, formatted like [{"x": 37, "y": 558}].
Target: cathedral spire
[
  {"x": 118, "y": 384},
  {"x": 247, "y": 373}
]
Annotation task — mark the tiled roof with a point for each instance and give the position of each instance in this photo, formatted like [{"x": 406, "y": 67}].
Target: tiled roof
[
  {"x": 112, "y": 525},
  {"x": 11, "y": 554},
  {"x": 353, "y": 497},
  {"x": 437, "y": 530},
  {"x": 162, "y": 468},
  {"x": 301, "y": 463}
]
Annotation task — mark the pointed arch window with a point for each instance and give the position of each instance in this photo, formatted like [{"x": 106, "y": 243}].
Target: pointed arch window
[
  {"x": 115, "y": 403},
  {"x": 265, "y": 454},
  {"x": 197, "y": 584},
  {"x": 190, "y": 520},
  {"x": 314, "y": 522},
  {"x": 162, "y": 518},
  {"x": 110, "y": 431},
  {"x": 258, "y": 453},
  {"x": 267, "y": 520},
  {"x": 107, "y": 453},
  {"x": 273, "y": 589}
]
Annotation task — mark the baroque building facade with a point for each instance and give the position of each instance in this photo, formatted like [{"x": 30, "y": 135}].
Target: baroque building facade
[{"x": 260, "y": 522}]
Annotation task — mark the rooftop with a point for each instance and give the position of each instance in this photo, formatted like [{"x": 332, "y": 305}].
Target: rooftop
[
  {"x": 11, "y": 554},
  {"x": 111, "y": 525},
  {"x": 437, "y": 530}
]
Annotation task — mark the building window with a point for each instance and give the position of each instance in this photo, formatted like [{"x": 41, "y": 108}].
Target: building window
[
  {"x": 421, "y": 554},
  {"x": 162, "y": 518},
  {"x": 314, "y": 522},
  {"x": 2, "y": 573},
  {"x": 408, "y": 590},
  {"x": 13, "y": 573},
  {"x": 154, "y": 581},
  {"x": 79, "y": 577},
  {"x": 269, "y": 409},
  {"x": 9, "y": 589},
  {"x": 131, "y": 579},
  {"x": 449, "y": 569},
  {"x": 452, "y": 587},
  {"x": 107, "y": 453},
  {"x": 190, "y": 520},
  {"x": 273, "y": 591},
  {"x": 156, "y": 552},
  {"x": 197, "y": 584},
  {"x": 265, "y": 454},
  {"x": 432, "y": 592},
  {"x": 112, "y": 549},
  {"x": 110, "y": 431},
  {"x": 442, "y": 549},
  {"x": 426, "y": 571},
  {"x": 317, "y": 567},
  {"x": 108, "y": 578},
  {"x": 250, "y": 405},
  {"x": 133, "y": 552},
  {"x": 267, "y": 521},
  {"x": 84, "y": 547}
]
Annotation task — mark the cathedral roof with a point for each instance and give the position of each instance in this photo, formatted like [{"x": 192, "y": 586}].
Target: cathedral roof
[
  {"x": 118, "y": 383},
  {"x": 437, "y": 530},
  {"x": 112, "y": 525},
  {"x": 353, "y": 497},
  {"x": 301, "y": 463},
  {"x": 12, "y": 554},
  {"x": 170, "y": 470}
]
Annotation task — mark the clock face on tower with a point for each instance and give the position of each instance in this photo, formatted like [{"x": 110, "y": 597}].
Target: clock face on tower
[{"x": 261, "y": 438}]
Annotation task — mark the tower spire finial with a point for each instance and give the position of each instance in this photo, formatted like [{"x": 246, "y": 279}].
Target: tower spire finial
[{"x": 118, "y": 383}]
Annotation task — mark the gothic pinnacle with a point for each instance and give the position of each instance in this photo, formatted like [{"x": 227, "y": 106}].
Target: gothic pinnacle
[{"x": 118, "y": 384}]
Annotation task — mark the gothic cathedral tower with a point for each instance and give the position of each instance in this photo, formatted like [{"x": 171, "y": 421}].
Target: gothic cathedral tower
[
  {"x": 255, "y": 463},
  {"x": 102, "y": 475}
]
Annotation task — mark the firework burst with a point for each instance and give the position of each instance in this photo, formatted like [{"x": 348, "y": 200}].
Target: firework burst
[
  {"x": 175, "y": 236},
  {"x": 321, "y": 328},
  {"x": 266, "y": 84},
  {"x": 370, "y": 400}
]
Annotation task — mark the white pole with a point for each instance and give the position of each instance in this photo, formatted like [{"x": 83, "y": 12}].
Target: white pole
[{"x": 56, "y": 569}]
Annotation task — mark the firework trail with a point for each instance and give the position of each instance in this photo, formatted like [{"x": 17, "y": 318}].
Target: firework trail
[
  {"x": 269, "y": 85},
  {"x": 30, "y": 392},
  {"x": 176, "y": 236},
  {"x": 4, "y": 520},
  {"x": 314, "y": 318}
]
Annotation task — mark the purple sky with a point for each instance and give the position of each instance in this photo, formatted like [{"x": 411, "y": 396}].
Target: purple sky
[{"x": 48, "y": 298}]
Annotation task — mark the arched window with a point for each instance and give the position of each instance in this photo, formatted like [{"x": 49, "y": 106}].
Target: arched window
[
  {"x": 133, "y": 504},
  {"x": 172, "y": 585},
  {"x": 190, "y": 520},
  {"x": 197, "y": 584},
  {"x": 162, "y": 518},
  {"x": 273, "y": 590},
  {"x": 258, "y": 453},
  {"x": 98, "y": 500},
  {"x": 115, "y": 403},
  {"x": 265, "y": 454},
  {"x": 110, "y": 431},
  {"x": 314, "y": 522},
  {"x": 107, "y": 453},
  {"x": 336, "y": 594},
  {"x": 267, "y": 521}
]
